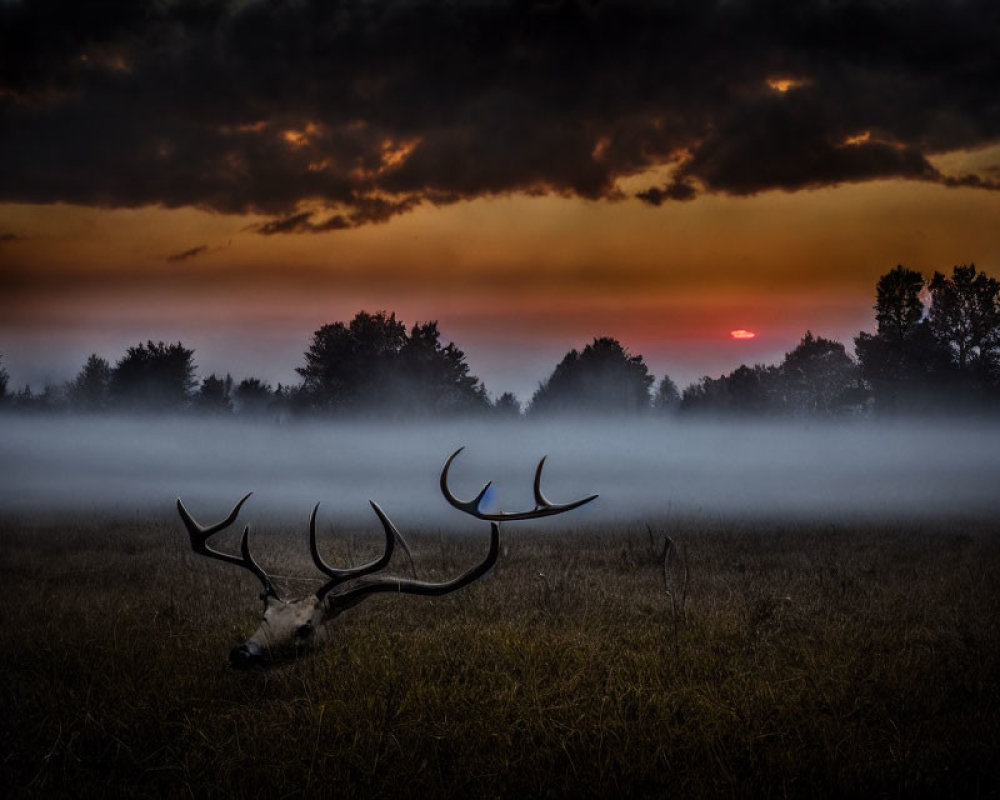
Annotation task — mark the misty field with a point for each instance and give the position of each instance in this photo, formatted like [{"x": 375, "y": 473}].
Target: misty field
[
  {"x": 829, "y": 660},
  {"x": 847, "y": 470}
]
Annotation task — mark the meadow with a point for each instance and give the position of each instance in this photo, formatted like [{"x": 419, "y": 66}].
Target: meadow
[{"x": 756, "y": 659}]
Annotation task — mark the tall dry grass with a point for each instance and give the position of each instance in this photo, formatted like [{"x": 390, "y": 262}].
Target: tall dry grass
[{"x": 817, "y": 662}]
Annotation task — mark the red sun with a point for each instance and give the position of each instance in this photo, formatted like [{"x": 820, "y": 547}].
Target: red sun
[{"x": 742, "y": 334}]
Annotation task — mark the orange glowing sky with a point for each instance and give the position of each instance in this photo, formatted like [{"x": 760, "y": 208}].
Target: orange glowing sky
[{"x": 516, "y": 281}]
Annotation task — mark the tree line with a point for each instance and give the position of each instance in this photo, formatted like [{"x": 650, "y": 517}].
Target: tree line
[{"x": 936, "y": 347}]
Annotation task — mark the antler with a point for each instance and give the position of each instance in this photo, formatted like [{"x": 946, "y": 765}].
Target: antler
[
  {"x": 199, "y": 543},
  {"x": 351, "y": 597},
  {"x": 543, "y": 508},
  {"x": 338, "y": 576},
  {"x": 293, "y": 623}
]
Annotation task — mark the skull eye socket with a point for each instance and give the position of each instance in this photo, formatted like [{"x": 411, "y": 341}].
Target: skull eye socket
[{"x": 304, "y": 631}]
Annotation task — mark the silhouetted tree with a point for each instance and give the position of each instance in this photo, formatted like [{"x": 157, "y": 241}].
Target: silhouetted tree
[
  {"x": 666, "y": 399},
  {"x": 898, "y": 307},
  {"x": 252, "y": 397},
  {"x": 51, "y": 398},
  {"x": 507, "y": 405},
  {"x": 350, "y": 367},
  {"x": 745, "y": 391},
  {"x": 899, "y": 360},
  {"x": 4, "y": 378},
  {"x": 213, "y": 396},
  {"x": 604, "y": 378},
  {"x": 435, "y": 379},
  {"x": 288, "y": 401},
  {"x": 153, "y": 377},
  {"x": 818, "y": 377},
  {"x": 965, "y": 322},
  {"x": 374, "y": 366},
  {"x": 90, "y": 390},
  {"x": 24, "y": 399},
  {"x": 751, "y": 389}
]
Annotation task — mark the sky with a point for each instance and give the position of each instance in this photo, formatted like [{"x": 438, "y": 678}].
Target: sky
[{"x": 531, "y": 175}]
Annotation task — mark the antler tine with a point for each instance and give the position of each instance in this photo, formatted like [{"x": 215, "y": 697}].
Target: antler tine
[
  {"x": 343, "y": 601},
  {"x": 338, "y": 575},
  {"x": 540, "y": 501},
  {"x": 543, "y": 507},
  {"x": 199, "y": 535},
  {"x": 468, "y": 506},
  {"x": 251, "y": 564},
  {"x": 388, "y": 526},
  {"x": 198, "y": 532}
]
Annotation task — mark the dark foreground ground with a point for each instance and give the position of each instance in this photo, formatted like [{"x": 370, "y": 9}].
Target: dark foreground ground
[{"x": 826, "y": 661}]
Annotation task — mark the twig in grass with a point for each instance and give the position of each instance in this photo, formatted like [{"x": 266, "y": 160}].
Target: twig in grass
[
  {"x": 667, "y": 556},
  {"x": 672, "y": 552},
  {"x": 315, "y": 749},
  {"x": 657, "y": 557},
  {"x": 546, "y": 592}
]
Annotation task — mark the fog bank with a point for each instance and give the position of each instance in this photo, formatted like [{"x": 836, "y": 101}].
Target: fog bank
[{"x": 641, "y": 469}]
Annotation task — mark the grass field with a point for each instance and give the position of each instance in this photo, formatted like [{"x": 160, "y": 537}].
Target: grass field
[{"x": 819, "y": 662}]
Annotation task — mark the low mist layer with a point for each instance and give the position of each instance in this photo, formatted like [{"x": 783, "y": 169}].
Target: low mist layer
[{"x": 642, "y": 470}]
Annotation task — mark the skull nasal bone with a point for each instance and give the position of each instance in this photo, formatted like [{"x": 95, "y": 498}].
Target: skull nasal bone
[{"x": 246, "y": 655}]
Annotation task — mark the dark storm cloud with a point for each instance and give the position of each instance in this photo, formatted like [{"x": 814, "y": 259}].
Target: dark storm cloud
[
  {"x": 676, "y": 190},
  {"x": 184, "y": 255},
  {"x": 369, "y": 108},
  {"x": 365, "y": 211}
]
